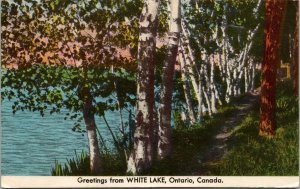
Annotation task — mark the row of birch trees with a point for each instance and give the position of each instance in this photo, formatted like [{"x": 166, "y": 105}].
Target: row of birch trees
[
  {"x": 211, "y": 50},
  {"x": 224, "y": 47}
]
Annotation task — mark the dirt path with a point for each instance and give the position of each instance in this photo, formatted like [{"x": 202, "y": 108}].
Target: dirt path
[{"x": 218, "y": 146}]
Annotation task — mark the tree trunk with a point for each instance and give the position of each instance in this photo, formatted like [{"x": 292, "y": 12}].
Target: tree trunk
[
  {"x": 164, "y": 131},
  {"x": 212, "y": 89},
  {"x": 207, "y": 102},
  {"x": 89, "y": 119},
  {"x": 253, "y": 68},
  {"x": 246, "y": 76},
  {"x": 208, "y": 89},
  {"x": 229, "y": 82},
  {"x": 189, "y": 65},
  {"x": 218, "y": 96},
  {"x": 273, "y": 23},
  {"x": 121, "y": 128},
  {"x": 200, "y": 101},
  {"x": 295, "y": 58},
  {"x": 187, "y": 89},
  {"x": 188, "y": 54},
  {"x": 142, "y": 153},
  {"x": 235, "y": 83}
]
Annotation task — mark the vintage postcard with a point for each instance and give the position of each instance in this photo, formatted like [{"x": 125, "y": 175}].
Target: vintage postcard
[{"x": 149, "y": 93}]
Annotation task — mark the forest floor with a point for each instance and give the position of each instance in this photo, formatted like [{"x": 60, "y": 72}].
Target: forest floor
[{"x": 218, "y": 146}]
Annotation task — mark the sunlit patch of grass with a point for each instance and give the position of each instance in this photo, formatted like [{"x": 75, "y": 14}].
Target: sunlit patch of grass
[{"x": 251, "y": 154}]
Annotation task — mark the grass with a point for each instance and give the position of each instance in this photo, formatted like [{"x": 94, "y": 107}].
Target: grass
[
  {"x": 188, "y": 142},
  {"x": 113, "y": 165},
  {"x": 75, "y": 166},
  {"x": 251, "y": 154}
]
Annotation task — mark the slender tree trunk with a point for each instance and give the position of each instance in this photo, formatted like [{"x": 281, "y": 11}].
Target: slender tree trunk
[
  {"x": 295, "y": 58},
  {"x": 187, "y": 89},
  {"x": 208, "y": 89},
  {"x": 89, "y": 119},
  {"x": 142, "y": 154},
  {"x": 121, "y": 128},
  {"x": 212, "y": 89},
  {"x": 200, "y": 101},
  {"x": 131, "y": 124},
  {"x": 235, "y": 90},
  {"x": 253, "y": 68},
  {"x": 229, "y": 82},
  {"x": 226, "y": 61},
  {"x": 207, "y": 102},
  {"x": 188, "y": 54},
  {"x": 246, "y": 76},
  {"x": 117, "y": 145},
  {"x": 190, "y": 62},
  {"x": 273, "y": 23},
  {"x": 164, "y": 131},
  {"x": 222, "y": 65},
  {"x": 189, "y": 66},
  {"x": 218, "y": 95}
]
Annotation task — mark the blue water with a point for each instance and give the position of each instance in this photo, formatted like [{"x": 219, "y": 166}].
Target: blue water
[{"x": 31, "y": 143}]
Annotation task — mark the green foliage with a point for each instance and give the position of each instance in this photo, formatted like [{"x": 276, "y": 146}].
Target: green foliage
[
  {"x": 49, "y": 89},
  {"x": 79, "y": 165},
  {"x": 163, "y": 19},
  {"x": 114, "y": 165},
  {"x": 252, "y": 155},
  {"x": 178, "y": 122},
  {"x": 206, "y": 17}
]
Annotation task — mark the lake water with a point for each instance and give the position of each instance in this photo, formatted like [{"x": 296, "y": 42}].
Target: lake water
[{"x": 31, "y": 143}]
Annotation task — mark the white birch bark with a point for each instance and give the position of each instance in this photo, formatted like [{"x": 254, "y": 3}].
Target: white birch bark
[
  {"x": 207, "y": 102},
  {"x": 189, "y": 66},
  {"x": 227, "y": 64},
  {"x": 233, "y": 80},
  {"x": 253, "y": 76},
  {"x": 200, "y": 100},
  {"x": 142, "y": 154},
  {"x": 246, "y": 78},
  {"x": 218, "y": 96},
  {"x": 243, "y": 67},
  {"x": 206, "y": 88},
  {"x": 229, "y": 86},
  {"x": 199, "y": 71},
  {"x": 89, "y": 119},
  {"x": 187, "y": 89},
  {"x": 212, "y": 89}
]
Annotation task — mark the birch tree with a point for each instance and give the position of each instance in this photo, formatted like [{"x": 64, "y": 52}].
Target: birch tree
[
  {"x": 89, "y": 119},
  {"x": 164, "y": 131},
  {"x": 193, "y": 70},
  {"x": 142, "y": 154},
  {"x": 186, "y": 87}
]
